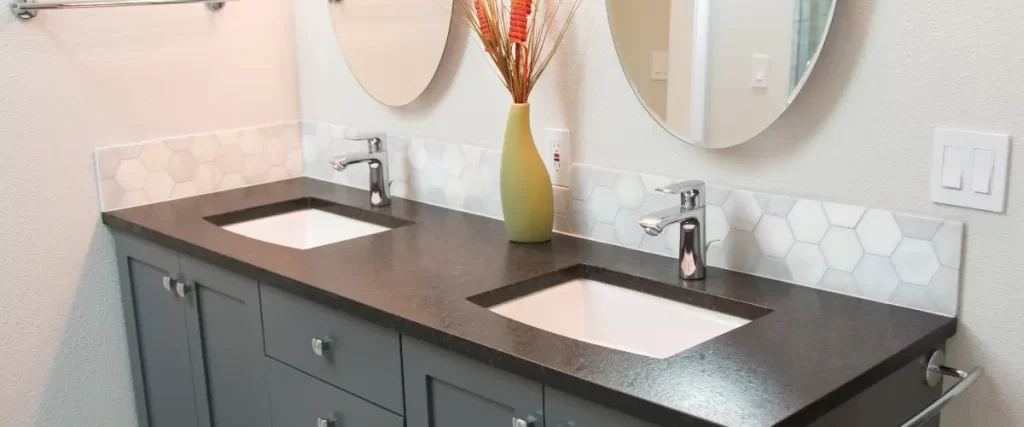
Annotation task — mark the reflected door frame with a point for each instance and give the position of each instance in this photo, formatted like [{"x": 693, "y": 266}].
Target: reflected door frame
[{"x": 694, "y": 115}]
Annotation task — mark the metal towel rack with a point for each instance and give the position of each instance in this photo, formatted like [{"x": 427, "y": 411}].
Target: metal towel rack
[
  {"x": 933, "y": 375},
  {"x": 28, "y": 9}
]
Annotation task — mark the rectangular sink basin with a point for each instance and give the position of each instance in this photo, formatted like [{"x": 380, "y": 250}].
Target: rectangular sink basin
[
  {"x": 585, "y": 307},
  {"x": 305, "y": 223}
]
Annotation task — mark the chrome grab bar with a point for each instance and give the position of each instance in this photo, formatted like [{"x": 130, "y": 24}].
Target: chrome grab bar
[
  {"x": 28, "y": 9},
  {"x": 933, "y": 373}
]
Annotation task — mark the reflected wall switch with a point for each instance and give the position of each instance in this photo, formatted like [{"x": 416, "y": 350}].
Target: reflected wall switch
[
  {"x": 982, "y": 158},
  {"x": 760, "y": 75},
  {"x": 559, "y": 155},
  {"x": 659, "y": 65}
]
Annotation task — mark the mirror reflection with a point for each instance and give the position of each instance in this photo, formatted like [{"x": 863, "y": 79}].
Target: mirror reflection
[{"x": 716, "y": 73}]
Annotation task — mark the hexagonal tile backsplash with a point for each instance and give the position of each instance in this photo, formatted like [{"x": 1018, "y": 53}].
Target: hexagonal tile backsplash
[
  {"x": 868, "y": 253},
  {"x": 154, "y": 171},
  {"x": 874, "y": 254}
]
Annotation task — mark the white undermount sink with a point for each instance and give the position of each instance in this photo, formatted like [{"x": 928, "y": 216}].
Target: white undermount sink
[
  {"x": 305, "y": 228},
  {"x": 619, "y": 318}
]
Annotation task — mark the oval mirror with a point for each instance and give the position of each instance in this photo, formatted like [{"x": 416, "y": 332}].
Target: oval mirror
[
  {"x": 393, "y": 47},
  {"x": 716, "y": 73}
]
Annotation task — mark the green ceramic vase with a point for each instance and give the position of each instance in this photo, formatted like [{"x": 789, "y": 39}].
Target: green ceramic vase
[{"x": 526, "y": 196}]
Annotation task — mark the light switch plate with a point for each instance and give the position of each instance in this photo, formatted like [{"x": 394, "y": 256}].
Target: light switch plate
[
  {"x": 759, "y": 76},
  {"x": 983, "y": 162},
  {"x": 659, "y": 65}
]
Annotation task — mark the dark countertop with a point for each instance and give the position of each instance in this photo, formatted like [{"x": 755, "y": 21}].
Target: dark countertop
[{"x": 812, "y": 352}]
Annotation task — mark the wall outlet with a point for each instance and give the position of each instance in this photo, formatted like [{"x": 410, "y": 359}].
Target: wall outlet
[{"x": 559, "y": 155}]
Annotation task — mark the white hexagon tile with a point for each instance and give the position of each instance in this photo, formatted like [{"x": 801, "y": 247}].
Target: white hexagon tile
[
  {"x": 154, "y": 171},
  {"x": 874, "y": 254},
  {"x": 868, "y": 253}
]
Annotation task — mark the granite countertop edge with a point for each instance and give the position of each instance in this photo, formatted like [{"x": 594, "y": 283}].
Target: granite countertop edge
[{"x": 138, "y": 222}]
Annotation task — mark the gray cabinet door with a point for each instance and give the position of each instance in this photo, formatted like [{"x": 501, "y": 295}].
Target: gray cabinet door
[
  {"x": 298, "y": 400},
  {"x": 226, "y": 342},
  {"x": 565, "y": 410},
  {"x": 157, "y": 335},
  {"x": 443, "y": 389}
]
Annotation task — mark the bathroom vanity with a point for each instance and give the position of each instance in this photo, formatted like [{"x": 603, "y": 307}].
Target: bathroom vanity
[{"x": 403, "y": 326}]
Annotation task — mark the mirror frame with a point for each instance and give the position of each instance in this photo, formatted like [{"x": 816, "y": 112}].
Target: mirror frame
[{"x": 792, "y": 96}]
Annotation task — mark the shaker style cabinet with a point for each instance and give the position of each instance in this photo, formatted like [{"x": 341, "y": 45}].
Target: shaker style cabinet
[
  {"x": 443, "y": 389},
  {"x": 195, "y": 340},
  {"x": 565, "y": 410}
]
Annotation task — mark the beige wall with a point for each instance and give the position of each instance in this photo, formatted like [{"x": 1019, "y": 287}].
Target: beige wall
[
  {"x": 74, "y": 80},
  {"x": 642, "y": 27},
  {"x": 861, "y": 133}
]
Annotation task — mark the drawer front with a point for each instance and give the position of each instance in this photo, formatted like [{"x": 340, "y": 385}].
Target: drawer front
[
  {"x": 297, "y": 400},
  {"x": 359, "y": 357}
]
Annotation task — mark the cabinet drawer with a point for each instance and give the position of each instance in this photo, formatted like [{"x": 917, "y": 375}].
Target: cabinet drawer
[
  {"x": 297, "y": 400},
  {"x": 361, "y": 358}
]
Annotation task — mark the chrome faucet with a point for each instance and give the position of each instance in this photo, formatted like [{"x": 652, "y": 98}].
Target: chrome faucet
[
  {"x": 691, "y": 217},
  {"x": 376, "y": 158}
]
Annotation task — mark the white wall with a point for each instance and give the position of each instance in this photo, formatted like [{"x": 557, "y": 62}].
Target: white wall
[
  {"x": 74, "y": 80},
  {"x": 861, "y": 133}
]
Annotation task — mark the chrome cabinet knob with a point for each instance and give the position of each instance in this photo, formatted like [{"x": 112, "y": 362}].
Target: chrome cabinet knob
[
  {"x": 168, "y": 283},
  {"x": 519, "y": 422},
  {"x": 324, "y": 422},
  {"x": 320, "y": 346},
  {"x": 182, "y": 289}
]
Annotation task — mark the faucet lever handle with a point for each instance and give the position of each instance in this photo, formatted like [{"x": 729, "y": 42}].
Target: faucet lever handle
[
  {"x": 682, "y": 187},
  {"x": 374, "y": 140},
  {"x": 691, "y": 192}
]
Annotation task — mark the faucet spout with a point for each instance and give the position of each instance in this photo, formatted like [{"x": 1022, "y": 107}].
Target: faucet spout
[
  {"x": 691, "y": 216},
  {"x": 376, "y": 157},
  {"x": 341, "y": 162},
  {"x": 655, "y": 223}
]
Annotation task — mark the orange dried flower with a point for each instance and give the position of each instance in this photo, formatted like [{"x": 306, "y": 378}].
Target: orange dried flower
[
  {"x": 518, "y": 20},
  {"x": 481, "y": 16}
]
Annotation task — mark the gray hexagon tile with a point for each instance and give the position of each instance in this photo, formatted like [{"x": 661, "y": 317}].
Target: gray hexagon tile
[
  {"x": 739, "y": 251},
  {"x": 630, "y": 191},
  {"x": 773, "y": 268},
  {"x": 842, "y": 249},
  {"x": 842, "y": 215},
  {"x": 876, "y": 277},
  {"x": 742, "y": 210},
  {"x": 806, "y": 263},
  {"x": 717, "y": 226},
  {"x": 178, "y": 167},
  {"x": 774, "y": 236},
  {"x": 874, "y": 254},
  {"x": 918, "y": 227},
  {"x": 913, "y": 296},
  {"x": 915, "y": 261},
  {"x": 841, "y": 282},
  {"x": 626, "y": 229},
  {"x": 948, "y": 244},
  {"x": 808, "y": 220},
  {"x": 879, "y": 233}
]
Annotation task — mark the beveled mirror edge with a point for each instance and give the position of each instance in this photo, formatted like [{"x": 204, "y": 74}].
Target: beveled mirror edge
[{"x": 686, "y": 139}]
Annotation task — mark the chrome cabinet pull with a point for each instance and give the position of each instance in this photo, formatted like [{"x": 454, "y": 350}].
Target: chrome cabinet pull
[
  {"x": 324, "y": 422},
  {"x": 320, "y": 346},
  {"x": 519, "y": 422},
  {"x": 933, "y": 374},
  {"x": 182, "y": 289}
]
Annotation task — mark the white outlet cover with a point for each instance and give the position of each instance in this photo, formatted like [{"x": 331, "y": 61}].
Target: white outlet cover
[{"x": 993, "y": 144}]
